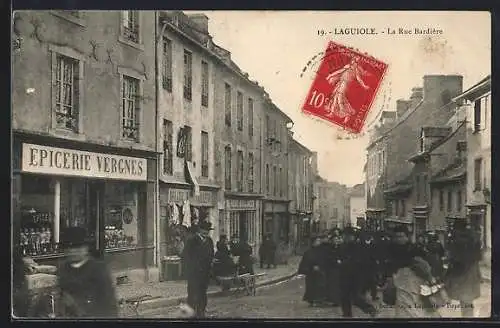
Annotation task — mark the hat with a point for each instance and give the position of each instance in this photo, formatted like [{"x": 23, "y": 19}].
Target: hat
[
  {"x": 74, "y": 237},
  {"x": 205, "y": 225}
]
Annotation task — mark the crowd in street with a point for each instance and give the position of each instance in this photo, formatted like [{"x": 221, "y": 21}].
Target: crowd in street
[{"x": 348, "y": 268}]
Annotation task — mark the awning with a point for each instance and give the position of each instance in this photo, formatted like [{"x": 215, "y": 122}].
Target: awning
[
  {"x": 192, "y": 178},
  {"x": 396, "y": 219},
  {"x": 402, "y": 188}
]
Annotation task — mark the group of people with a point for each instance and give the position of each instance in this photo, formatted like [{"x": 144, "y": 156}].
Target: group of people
[{"x": 351, "y": 267}]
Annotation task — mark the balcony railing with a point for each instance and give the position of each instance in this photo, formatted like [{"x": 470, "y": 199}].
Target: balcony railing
[{"x": 66, "y": 121}]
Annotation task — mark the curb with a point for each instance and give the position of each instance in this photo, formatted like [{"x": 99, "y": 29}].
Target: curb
[{"x": 173, "y": 301}]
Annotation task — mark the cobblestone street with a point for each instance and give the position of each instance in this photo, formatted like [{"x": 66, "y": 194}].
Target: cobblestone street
[{"x": 284, "y": 300}]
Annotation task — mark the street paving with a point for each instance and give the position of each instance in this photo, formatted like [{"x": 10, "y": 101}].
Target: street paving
[{"x": 284, "y": 300}]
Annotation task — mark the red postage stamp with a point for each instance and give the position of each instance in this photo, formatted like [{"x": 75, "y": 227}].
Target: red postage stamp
[{"x": 345, "y": 86}]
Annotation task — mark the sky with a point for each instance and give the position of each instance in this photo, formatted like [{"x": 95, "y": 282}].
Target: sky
[{"x": 274, "y": 46}]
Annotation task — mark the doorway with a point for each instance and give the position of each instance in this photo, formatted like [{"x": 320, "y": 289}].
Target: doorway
[{"x": 243, "y": 224}]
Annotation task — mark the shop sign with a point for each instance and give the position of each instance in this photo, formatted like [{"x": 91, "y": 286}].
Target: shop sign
[
  {"x": 70, "y": 162},
  {"x": 178, "y": 195},
  {"x": 204, "y": 198},
  {"x": 240, "y": 204}
]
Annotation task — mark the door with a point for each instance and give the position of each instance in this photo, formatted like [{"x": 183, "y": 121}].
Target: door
[
  {"x": 95, "y": 205},
  {"x": 243, "y": 226}
]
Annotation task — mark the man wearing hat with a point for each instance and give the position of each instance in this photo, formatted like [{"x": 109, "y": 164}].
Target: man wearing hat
[
  {"x": 197, "y": 256},
  {"x": 85, "y": 282}
]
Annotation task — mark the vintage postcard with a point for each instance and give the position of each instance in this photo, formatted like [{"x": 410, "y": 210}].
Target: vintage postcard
[{"x": 251, "y": 164}]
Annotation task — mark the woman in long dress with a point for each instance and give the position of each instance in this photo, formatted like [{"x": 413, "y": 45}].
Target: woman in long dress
[{"x": 311, "y": 266}]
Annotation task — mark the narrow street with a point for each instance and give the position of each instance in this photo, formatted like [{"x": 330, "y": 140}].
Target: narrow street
[{"x": 284, "y": 300}]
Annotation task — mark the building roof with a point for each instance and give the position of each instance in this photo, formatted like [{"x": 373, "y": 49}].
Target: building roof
[
  {"x": 453, "y": 172},
  {"x": 296, "y": 143},
  {"x": 476, "y": 90},
  {"x": 357, "y": 190},
  {"x": 400, "y": 186},
  {"x": 388, "y": 114}
]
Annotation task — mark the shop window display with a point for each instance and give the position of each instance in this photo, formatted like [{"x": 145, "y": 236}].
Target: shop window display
[
  {"x": 37, "y": 217},
  {"x": 121, "y": 215}
]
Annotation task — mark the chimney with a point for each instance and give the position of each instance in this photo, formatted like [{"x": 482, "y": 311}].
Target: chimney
[
  {"x": 201, "y": 21},
  {"x": 440, "y": 89},
  {"x": 402, "y": 106},
  {"x": 417, "y": 94}
]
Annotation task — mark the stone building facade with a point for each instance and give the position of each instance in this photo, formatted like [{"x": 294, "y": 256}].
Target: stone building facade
[{"x": 83, "y": 98}]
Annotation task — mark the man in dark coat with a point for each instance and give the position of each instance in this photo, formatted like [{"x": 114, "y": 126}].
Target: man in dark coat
[
  {"x": 267, "y": 252},
  {"x": 223, "y": 262},
  {"x": 368, "y": 265},
  {"x": 333, "y": 263},
  {"x": 198, "y": 255},
  {"x": 85, "y": 282},
  {"x": 350, "y": 293}
]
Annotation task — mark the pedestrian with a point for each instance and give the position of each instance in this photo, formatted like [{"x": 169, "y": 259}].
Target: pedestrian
[
  {"x": 223, "y": 262},
  {"x": 464, "y": 276},
  {"x": 282, "y": 251},
  {"x": 20, "y": 292},
  {"x": 368, "y": 265},
  {"x": 312, "y": 267},
  {"x": 85, "y": 282},
  {"x": 267, "y": 252},
  {"x": 198, "y": 255},
  {"x": 245, "y": 260},
  {"x": 334, "y": 259},
  {"x": 350, "y": 277}
]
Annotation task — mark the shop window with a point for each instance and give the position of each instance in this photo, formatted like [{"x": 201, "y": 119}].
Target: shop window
[
  {"x": 130, "y": 25},
  {"x": 234, "y": 224},
  {"x": 227, "y": 104},
  {"x": 188, "y": 75},
  {"x": 250, "y": 117},
  {"x": 37, "y": 217},
  {"x": 239, "y": 111},
  {"x": 167, "y": 65},
  {"x": 121, "y": 215},
  {"x": 66, "y": 90},
  {"x": 131, "y": 101}
]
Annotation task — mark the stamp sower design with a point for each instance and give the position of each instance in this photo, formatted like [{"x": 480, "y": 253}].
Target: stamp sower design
[{"x": 344, "y": 88}]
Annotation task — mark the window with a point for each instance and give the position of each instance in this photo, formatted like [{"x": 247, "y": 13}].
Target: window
[
  {"x": 240, "y": 166},
  {"x": 459, "y": 201},
  {"x": 424, "y": 187},
  {"x": 204, "y": 154},
  {"x": 227, "y": 103},
  {"x": 188, "y": 75},
  {"x": 268, "y": 189},
  {"x": 335, "y": 213},
  {"x": 403, "y": 208},
  {"x": 268, "y": 127},
  {"x": 477, "y": 115},
  {"x": 282, "y": 182},
  {"x": 67, "y": 92},
  {"x": 168, "y": 154},
  {"x": 275, "y": 180},
  {"x": 130, "y": 108},
  {"x": 441, "y": 200},
  {"x": 417, "y": 189},
  {"x": 478, "y": 163},
  {"x": 449, "y": 205},
  {"x": 189, "y": 143},
  {"x": 250, "y": 172},
  {"x": 250, "y": 117},
  {"x": 130, "y": 23},
  {"x": 239, "y": 111},
  {"x": 227, "y": 168},
  {"x": 167, "y": 65},
  {"x": 204, "y": 84}
]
